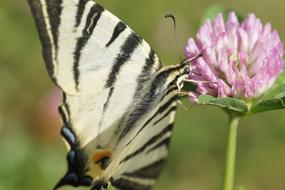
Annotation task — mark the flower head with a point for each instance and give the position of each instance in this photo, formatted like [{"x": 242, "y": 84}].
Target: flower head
[{"x": 240, "y": 60}]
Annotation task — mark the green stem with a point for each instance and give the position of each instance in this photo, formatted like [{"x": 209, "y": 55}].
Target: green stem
[{"x": 231, "y": 154}]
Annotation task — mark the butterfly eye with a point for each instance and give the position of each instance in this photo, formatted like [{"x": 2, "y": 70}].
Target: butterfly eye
[{"x": 187, "y": 70}]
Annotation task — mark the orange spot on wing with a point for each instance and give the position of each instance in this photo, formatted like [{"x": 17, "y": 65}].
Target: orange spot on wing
[{"x": 99, "y": 156}]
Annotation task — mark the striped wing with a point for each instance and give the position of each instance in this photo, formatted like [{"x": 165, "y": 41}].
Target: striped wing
[
  {"x": 118, "y": 101},
  {"x": 92, "y": 55},
  {"x": 146, "y": 135}
]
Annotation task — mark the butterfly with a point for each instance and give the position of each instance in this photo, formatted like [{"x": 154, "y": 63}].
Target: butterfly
[{"x": 118, "y": 100}]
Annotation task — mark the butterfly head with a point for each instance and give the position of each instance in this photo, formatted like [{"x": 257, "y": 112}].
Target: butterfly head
[
  {"x": 184, "y": 69},
  {"x": 187, "y": 69},
  {"x": 186, "y": 64}
]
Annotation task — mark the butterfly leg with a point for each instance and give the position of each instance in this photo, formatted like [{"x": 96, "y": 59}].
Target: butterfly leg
[
  {"x": 185, "y": 92},
  {"x": 199, "y": 81}
]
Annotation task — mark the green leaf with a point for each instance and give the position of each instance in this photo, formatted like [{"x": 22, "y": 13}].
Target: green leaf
[
  {"x": 212, "y": 12},
  {"x": 269, "y": 105},
  {"x": 277, "y": 90},
  {"x": 273, "y": 99},
  {"x": 189, "y": 87},
  {"x": 230, "y": 104}
]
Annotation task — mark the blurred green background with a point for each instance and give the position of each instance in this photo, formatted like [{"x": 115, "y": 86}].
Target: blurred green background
[{"x": 32, "y": 155}]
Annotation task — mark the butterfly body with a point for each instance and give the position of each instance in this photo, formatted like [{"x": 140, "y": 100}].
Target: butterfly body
[{"x": 119, "y": 101}]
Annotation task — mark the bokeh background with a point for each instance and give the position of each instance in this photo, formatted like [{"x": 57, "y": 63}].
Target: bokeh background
[{"x": 32, "y": 155}]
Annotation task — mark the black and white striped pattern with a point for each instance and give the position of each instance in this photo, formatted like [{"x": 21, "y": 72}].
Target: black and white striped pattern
[{"x": 117, "y": 96}]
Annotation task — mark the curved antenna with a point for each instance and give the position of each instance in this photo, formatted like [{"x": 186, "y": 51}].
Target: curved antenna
[{"x": 172, "y": 17}]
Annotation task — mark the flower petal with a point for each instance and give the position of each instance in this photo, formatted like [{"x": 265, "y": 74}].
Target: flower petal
[{"x": 240, "y": 60}]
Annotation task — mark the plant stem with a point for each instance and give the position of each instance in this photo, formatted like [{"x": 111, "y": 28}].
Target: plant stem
[{"x": 231, "y": 154}]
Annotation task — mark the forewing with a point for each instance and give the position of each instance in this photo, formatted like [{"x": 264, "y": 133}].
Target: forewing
[{"x": 93, "y": 57}]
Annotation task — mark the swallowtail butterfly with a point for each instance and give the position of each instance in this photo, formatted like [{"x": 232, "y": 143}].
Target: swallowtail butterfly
[{"x": 118, "y": 102}]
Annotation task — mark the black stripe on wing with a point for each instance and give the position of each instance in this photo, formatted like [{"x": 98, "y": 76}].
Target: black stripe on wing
[
  {"x": 157, "y": 85},
  {"x": 105, "y": 106},
  {"x": 62, "y": 114},
  {"x": 65, "y": 104},
  {"x": 164, "y": 142},
  {"x": 148, "y": 65},
  {"x": 117, "y": 31},
  {"x": 172, "y": 109},
  {"x": 149, "y": 143},
  {"x": 37, "y": 10},
  {"x": 145, "y": 74},
  {"x": 150, "y": 171},
  {"x": 143, "y": 106},
  {"x": 127, "y": 49},
  {"x": 80, "y": 11},
  {"x": 91, "y": 22},
  {"x": 125, "y": 184},
  {"x": 66, "y": 131},
  {"x": 171, "y": 89},
  {"x": 159, "y": 111},
  {"x": 126, "y": 52},
  {"x": 54, "y": 9}
]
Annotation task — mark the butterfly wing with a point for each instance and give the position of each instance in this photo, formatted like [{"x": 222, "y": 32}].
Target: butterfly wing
[
  {"x": 92, "y": 55},
  {"x": 146, "y": 135},
  {"x": 113, "y": 84}
]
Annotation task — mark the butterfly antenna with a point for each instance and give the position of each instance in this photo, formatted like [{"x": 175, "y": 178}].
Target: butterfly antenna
[{"x": 172, "y": 17}]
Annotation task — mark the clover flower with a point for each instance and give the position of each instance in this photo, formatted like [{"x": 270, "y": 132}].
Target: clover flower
[{"x": 240, "y": 60}]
